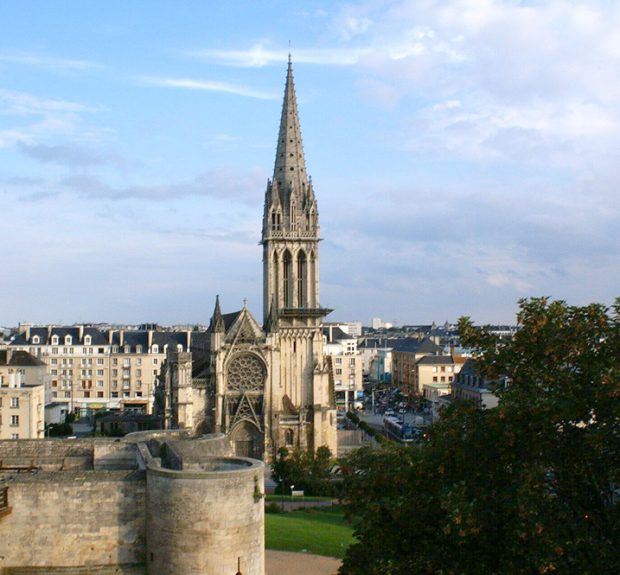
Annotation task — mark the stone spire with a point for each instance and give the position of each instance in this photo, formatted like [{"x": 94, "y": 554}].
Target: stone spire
[
  {"x": 290, "y": 167},
  {"x": 217, "y": 321}
]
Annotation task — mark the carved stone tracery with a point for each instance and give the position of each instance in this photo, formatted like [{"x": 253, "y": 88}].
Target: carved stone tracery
[{"x": 246, "y": 373}]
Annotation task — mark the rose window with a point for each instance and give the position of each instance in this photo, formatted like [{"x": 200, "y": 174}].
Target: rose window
[{"x": 246, "y": 373}]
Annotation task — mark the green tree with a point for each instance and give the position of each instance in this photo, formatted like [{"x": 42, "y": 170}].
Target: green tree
[
  {"x": 528, "y": 487},
  {"x": 306, "y": 470}
]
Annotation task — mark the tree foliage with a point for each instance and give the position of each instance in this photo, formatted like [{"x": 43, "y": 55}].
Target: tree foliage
[
  {"x": 528, "y": 487},
  {"x": 307, "y": 470}
]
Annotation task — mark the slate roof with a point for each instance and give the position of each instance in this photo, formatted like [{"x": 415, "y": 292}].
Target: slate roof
[
  {"x": 337, "y": 334},
  {"x": 19, "y": 359},
  {"x": 230, "y": 318},
  {"x": 410, "y": 345},
  {"x": 436, "y": 360}
]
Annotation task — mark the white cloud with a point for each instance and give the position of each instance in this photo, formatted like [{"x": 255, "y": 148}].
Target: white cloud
[
  {"x": 210, "y": 86},
  {"x": 259, "y": 56},
  {"x": 46, "y": 62}
]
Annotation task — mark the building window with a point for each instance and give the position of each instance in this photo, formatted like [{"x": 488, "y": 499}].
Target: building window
[
  {"x": 338, "y": 371},
  {"x": 87, "y": 394},
  {"x": 36, "y": 339},
  {"x": 338, "y": 360},
  {"x": 289, "y": 437},
  {"x": 54, "y": 342},
  {"x": 155, "y": 359},
  {"x": 54, "y": 361},
  {"x": 67, "y": 394},
  {"x": 14, "y": 435},
  {"x": 15, "y": 420},
  {"x": 139, "y": 361},
  {"x": 14, "y": 401},
  {"x": 155, "y": 349},
  {"x": 114, "y": 394},
  {"x": 100, "y": 383},
  {"x": 100, "y": 394},
  {"x": 99, "y": 361},
  {"x": 138, "y": 349},
  {"x": 87, "y": 340},
  {"x": 100, "y": 372}
]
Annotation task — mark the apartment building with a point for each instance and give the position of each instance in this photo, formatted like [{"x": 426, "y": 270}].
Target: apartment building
[
  {"x": 473, "y": 386},
  {"x": 405, "y": 356},
  {"x": 92, "y": 369},
  {"x": 346, "y": 361},
  {"x": 22, "y": 395}
]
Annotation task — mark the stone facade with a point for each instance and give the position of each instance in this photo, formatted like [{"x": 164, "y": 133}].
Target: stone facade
[
  {"x": 22, "y": 395},
  {"x": 266, "y": 386},
  {"x": 91, "y": 369},
  {"x": 153, "y": 503}
]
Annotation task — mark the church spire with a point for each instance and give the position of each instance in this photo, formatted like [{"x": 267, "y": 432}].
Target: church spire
[
  {"x": 217, "y": 321},
  {"x": 290, "y": 166}
]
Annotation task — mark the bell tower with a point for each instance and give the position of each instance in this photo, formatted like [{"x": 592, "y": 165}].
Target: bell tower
[{"x": 292, "y": 314}]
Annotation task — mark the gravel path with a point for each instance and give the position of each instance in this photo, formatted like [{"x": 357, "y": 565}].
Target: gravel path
[{"x": 286, "y": 563}]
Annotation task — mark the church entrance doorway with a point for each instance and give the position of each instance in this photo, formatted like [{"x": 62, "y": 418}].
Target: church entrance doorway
[{"x": 247, "y": 440}]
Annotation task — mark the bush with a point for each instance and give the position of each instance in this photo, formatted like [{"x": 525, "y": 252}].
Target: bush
[{"x": 60, "y": 430}]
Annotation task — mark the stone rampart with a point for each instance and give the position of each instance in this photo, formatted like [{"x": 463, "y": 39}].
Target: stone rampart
[{"x": 74, "y": 519}]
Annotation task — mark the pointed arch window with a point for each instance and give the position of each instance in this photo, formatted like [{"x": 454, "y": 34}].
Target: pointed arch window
[
  {"x": 275, "y": 220},
  {"x": 302, "y": 279},
  {"x": 287, "y": 290},
  {"x": 276, "y": 277}
]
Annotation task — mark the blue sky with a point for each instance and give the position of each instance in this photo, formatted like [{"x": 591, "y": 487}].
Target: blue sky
[{"x": 464, "y": 155}]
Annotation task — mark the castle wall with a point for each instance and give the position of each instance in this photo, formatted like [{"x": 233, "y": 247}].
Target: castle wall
[
  {"x": 74, "y": 518},
  {"x": 202, "y": 520}
]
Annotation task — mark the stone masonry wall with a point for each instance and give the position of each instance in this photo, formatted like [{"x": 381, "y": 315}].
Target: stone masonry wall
[
  {"x": 74, "y": 519},
  {"x": 203, "y": 522}
]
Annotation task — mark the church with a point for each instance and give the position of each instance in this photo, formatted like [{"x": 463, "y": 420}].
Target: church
[{"x": 267, "y": 386}]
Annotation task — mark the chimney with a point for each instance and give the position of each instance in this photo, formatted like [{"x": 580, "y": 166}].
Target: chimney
[
  {"x": 81, "y": 332},
  {"x": 121, "y": 337},
  {"x": 149, "y": 342}
]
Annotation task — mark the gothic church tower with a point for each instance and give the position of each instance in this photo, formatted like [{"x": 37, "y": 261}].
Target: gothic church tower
[{"x": 302, "y": 400}]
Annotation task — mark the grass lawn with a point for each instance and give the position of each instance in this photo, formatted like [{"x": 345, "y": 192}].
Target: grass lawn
[{"x": 321, "y": 531}]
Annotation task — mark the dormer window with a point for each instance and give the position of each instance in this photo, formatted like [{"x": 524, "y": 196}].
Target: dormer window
[
  {"x": 36, "y": 339},
  {"x": 179, "y": 348},
  {"x": 126, "y": 349},
  {"x": 54, "y": 340},
  {"x": 155, "y": 349},
  {"x": 88, "y": 340},
  {"x": 68, "y": 340},
  {"x": 138, "y": 349}
]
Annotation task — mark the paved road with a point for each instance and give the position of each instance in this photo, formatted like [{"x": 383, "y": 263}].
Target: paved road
[
  {"x": 410, "y": 418},
  {"x": 286, "y": 563}
]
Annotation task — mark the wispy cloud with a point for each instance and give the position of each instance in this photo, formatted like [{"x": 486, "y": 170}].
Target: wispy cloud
[
  {"x": 210, "y": 86},
  {"x": 47, "y": 62},
  {"x": 259, "y": 56},
  {"x": 35, "y": 119},
  {"x": 230, "y": 183},
  {"x": 69, "y": 155}
]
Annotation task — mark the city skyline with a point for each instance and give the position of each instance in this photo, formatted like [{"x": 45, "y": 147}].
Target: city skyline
[{"x": 463, "y": 155}]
